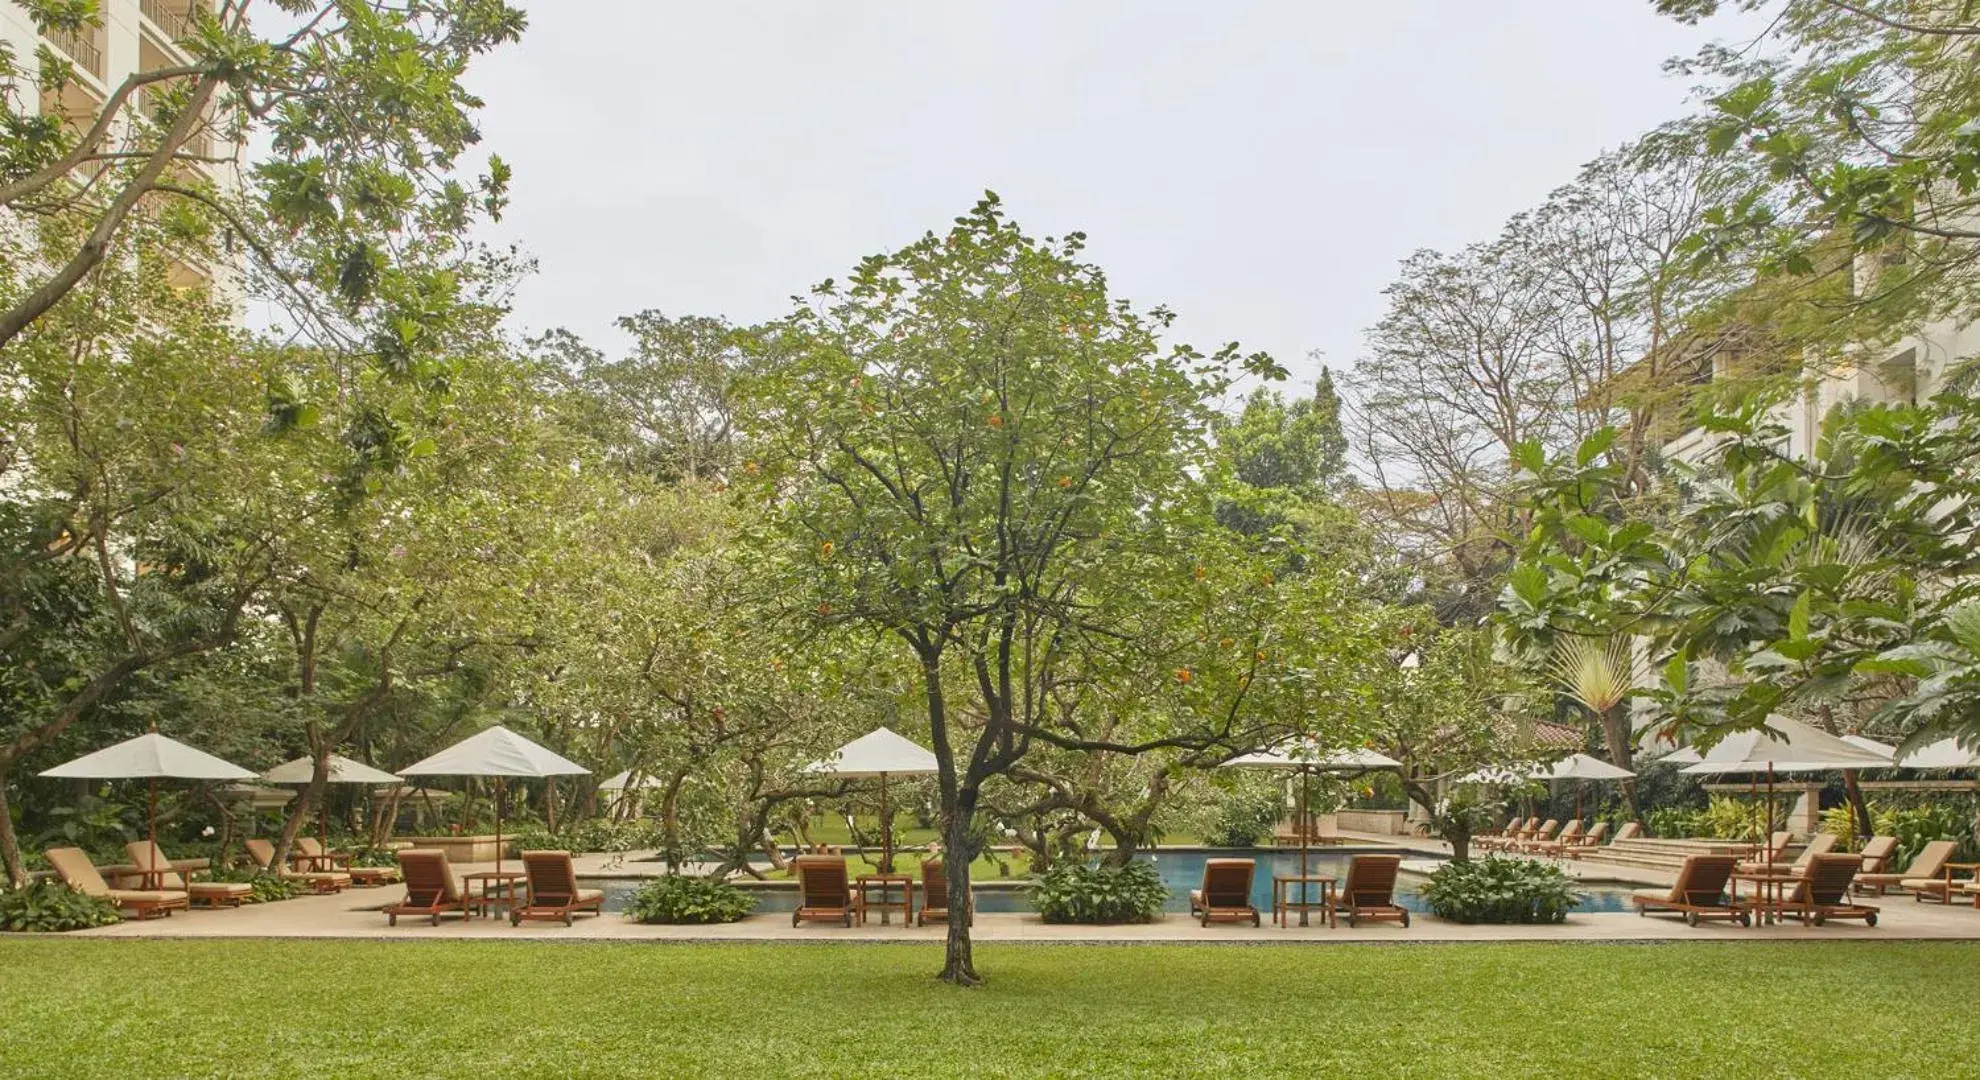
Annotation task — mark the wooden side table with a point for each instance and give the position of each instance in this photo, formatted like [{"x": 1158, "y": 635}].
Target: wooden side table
[
  {"x": 1770, "y": 891},
  {"x": 885, "y": 884},
  {"x": 1284, "y": 902},
  {"x": 498, "y": 890}
]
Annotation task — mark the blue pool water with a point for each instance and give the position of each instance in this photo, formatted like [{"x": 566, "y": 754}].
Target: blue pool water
[{"x": 1181, "y": 871}]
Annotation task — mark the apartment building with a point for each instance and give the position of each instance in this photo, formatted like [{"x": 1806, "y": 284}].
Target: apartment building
[
  {"x": 132, "y": 36},
  {"x": 1910, "y": 370}
]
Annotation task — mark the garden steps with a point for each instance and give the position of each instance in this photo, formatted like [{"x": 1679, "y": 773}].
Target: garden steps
[{"x": 1665, "y": 854}]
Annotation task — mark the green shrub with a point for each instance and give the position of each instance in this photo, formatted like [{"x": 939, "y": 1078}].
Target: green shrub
[
  {"x": 267, "y": 887},
  {"x": 680, "y": 899},
  {"x": 48, "y": 906},
  {"x": 1080, "y": 893},
  {"x": 1241, "y": 818},
  {"x": 1498, "y": 890},
  {"x": 591, "y": 835},
  {"x": 1916, "y": 826}
]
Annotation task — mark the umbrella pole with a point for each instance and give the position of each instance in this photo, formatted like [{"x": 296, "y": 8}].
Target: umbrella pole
[
  {"x": 498, "y": 824},
  {"x": 886, "y": 831},
  {"x": 154, "y": 880},
  {"x": 1769, "y": 838}
]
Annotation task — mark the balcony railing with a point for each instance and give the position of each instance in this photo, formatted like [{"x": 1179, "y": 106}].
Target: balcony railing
[
  {"x": 174, "y": 19},
  {"x": 81, "y": 47}
]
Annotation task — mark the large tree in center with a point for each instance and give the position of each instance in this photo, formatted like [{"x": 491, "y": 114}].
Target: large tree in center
[{"x": 980, "y": 455}]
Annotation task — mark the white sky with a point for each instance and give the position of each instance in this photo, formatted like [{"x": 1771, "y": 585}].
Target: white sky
[{"x": 1259, "y": 167}]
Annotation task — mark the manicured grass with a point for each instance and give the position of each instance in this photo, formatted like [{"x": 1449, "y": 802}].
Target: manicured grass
[{"x": 87, "y": 1008}]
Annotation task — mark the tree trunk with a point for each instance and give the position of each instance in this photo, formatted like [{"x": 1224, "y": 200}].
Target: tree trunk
[
  {"x": 958, "y": 964},
  {"x": 1616, "y": 734},
  {"x": 670, "y": 822},
  {"x": 10, "y": 845},
  {"x": 1859, "y": 810}
]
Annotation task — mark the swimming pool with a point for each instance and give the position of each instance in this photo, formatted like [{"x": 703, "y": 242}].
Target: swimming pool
[{"x": 1181, "y": 871}]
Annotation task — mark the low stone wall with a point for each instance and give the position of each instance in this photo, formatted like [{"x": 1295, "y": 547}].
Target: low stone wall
[
  {"x": 1379, "y": 822},
  {"x": 459, "y": 849}
]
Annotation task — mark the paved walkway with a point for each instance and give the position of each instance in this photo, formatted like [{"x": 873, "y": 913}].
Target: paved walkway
[{"x": 354, "y": 914}]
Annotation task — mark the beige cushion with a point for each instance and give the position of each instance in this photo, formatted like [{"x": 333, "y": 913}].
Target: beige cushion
[
  {"x": 147, "y": 896},
  {"x": 588, "y": 896},
  {"x": 1654, "y": 896},
  {"x": 220, "y": 888},
  {"x": 1924, "y": 884},
  {"x": 317, "y": 875}
]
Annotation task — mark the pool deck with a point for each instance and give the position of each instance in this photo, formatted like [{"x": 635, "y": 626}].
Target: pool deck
[{"x": 354, "y": 914}]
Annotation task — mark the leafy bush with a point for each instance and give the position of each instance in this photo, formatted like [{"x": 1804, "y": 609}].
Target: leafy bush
[
  {"x": 1916, "y": 826},
  {"x": 267, "y": 887},
  {"x": 1241, "y": 818},
  {"x": 1498, "y": 890},
  {"x": 1724, "y": 818},
  {"x": 591, "y": 834},
  {"x": 1079, "y": 893},
  {"x": 48, "y": 906},
  {"x": 680, "y": 899}
]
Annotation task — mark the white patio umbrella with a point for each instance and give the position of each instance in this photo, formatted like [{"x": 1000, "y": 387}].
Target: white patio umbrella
[
  {"x": 1944, "y": 754},
  {"x": 878, "y": 754},
  {"x": 1305, "y": 758},
  {"x": 499, "y": 753},
  {"x": 1571, "y": 767},
  {"x": 149, "y": 757},
  {"x": 620, "y": 781},
  {"x": 342, "y": 771},
  {"x": 1789, "y": 746}
]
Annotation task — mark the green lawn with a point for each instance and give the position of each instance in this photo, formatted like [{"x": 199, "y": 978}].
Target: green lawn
[{"x": 421, "y": 1008}]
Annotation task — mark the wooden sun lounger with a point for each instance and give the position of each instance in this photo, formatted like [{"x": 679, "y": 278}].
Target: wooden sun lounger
[
  {"x": 1823, "y": 893},
  {"x": 74, "y": 867},
  {"x": 431, "y": 888},
  {"x": 151, "y": 862},
  {"x": 1818, "y": 845},
  {"x": 1570, "y": 834},
  {"x": 1700, "y": 892},
  {"x": 1515, "y": 830},
  {"x": 321, "y": 881},
  {"x": 1589, "y": 841},
  {"x": 553, "y": 889},
  {"x": 310, "y": 853},
  {"x": 1927, "y": 867},
  {"x": 824, "y": 893},
  {"x": 1369, "y": 891},
  {"x": 1226, "y": 892},
  {"x": 1876, "y": 855},
  {"x": 935, "y": 895}
]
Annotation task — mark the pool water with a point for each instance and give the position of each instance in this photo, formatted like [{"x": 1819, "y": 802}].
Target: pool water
[{"x": 1180, "y": 870}]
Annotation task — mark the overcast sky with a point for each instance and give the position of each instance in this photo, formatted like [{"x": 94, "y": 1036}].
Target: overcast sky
[{"x": 1260, "y": 167}]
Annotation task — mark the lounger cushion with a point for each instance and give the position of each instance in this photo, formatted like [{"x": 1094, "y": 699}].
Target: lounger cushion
[
  {"x": 220, "y": 888},
  {"x": 147, "y": 896},
  {"x": 1916, "y": 884},
  {"x": 1652, "y": 896},
  {"x": 590, "y": 896}
]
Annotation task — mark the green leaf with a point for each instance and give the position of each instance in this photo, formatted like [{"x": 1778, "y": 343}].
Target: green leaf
[{"x": 1798, "y": 616}]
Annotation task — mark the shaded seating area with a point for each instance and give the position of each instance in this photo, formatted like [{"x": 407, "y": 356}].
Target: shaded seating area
[
  {"x": 158, "y": 872},
  {"x": 1936, "y": 883},
  {"x": 1225, "y": 895},
  {"x": 431, "y": 888},
  {"x": 1368, "y": 892},
  {"x": 1698, "y": 894},
  {"x": 1818, "y": 845},
  {"x": 553, "y": 890},
  {"x": 74, "y": 867},
  {"x": 310, "y": 854},
  {"x": 1824, "y": 892},
  {"x": 1927, "y": 867},
  {"x": 1876, "y": 855},
  {"x": 322, "y": 881},
  {"x": 825, "y": 893}
]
